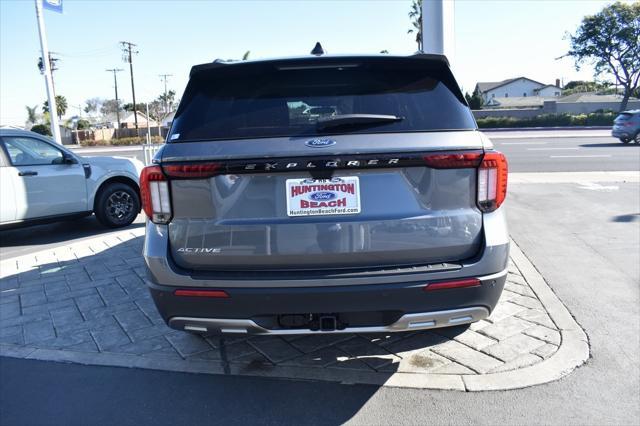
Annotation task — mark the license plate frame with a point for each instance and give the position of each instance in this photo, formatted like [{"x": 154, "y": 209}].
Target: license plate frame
[{"x": 323, "y": 197}]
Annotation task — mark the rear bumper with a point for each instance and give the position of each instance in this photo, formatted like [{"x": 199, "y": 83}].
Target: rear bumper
[
  {"x": 407, "y": 322},
  {"x": 623, "y": 133},
  {"x": 367, "y": 308}
]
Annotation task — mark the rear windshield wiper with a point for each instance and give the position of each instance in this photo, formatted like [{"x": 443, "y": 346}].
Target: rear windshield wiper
[{"x": 355, "y": 119}]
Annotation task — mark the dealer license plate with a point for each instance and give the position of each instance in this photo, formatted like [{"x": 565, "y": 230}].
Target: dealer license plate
[{"x": 322, "y": 197}]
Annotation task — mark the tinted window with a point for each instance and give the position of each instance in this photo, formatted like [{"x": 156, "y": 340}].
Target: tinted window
[
  {"x": 31, "y": 152},
  {"x": 281, "y": 99}
]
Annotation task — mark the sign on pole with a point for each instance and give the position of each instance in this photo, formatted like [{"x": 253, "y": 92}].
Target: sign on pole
[
  {"x": 54, "y": 5},
  {"x": 48, "y": 80}
]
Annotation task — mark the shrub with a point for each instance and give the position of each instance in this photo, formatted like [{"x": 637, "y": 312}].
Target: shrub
[
  {"x": 122, "y": 141},
  {"x": 42, "y": 129},
  {"x": 549, "y": 120}
]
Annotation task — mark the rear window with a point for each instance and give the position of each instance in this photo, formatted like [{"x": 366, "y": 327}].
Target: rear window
[
  {"x": 624, "y": 116},
  {"x": 287, "y": 98}
]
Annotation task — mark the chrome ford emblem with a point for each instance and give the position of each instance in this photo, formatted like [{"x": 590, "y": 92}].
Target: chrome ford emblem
[{"x": 319, "y": 143}]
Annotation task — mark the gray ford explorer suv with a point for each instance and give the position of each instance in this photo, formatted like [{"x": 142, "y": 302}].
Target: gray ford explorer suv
[{"x": 379, "y": 212}]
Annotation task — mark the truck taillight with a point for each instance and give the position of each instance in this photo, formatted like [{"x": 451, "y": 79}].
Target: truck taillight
[
  {"x": 154, "y": 191},
  {"x": 492, "y": 181}
]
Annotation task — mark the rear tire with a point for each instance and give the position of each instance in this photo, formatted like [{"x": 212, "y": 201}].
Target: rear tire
[
  {"x": 117, "y": 205},
  {"x": 625, "y": 140}
]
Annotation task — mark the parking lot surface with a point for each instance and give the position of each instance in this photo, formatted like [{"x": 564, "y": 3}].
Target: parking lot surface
[{"x": 87, "y": 303}]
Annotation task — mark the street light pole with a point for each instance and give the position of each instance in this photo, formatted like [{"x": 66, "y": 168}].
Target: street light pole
[
  {"x": 438, "y": 27},
  {"x": 51, "y": 98}
]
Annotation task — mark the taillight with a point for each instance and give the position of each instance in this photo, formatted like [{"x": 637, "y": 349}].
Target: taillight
[
  {"x": 453, "y": 160},
  {"x": 154, "y": 191},
  {"x": 492, "y": 181},
  {"x": 192, "y": 170}
]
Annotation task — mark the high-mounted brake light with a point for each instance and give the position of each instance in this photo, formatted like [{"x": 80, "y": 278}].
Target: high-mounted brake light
[
  {"x": 154, "y": 191},
  {"x": 492, "y": 181},
  {"x": 192, "y": 170},
  {"x": 453, "y": 160}
]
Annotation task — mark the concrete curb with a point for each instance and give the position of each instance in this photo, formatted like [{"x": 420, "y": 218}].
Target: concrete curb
[{"x": 572, "y": 352}]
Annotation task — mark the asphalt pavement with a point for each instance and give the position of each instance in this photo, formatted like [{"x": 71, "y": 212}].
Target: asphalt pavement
[
  {"x": 527, "y": 151},
  {"x": 584, "y": 238}
]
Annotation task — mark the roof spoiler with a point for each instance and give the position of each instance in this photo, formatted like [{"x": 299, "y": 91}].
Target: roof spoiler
[{"x": 219, "y": 63}]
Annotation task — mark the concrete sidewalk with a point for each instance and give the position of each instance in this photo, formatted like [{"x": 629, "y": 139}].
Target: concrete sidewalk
[{"x": 87, "y": 303}]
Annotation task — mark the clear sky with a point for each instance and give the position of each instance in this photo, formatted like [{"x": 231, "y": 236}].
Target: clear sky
[{"x": 495, "y": 40}]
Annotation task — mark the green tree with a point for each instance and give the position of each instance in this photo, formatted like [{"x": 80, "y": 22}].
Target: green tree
[
  {"x": 42, "y": 129},
  {"x": 110, "y": 106},
  {"x": 141, "y": 106},
  {"x": 61, "y": 106},
  {"x": 610, "y": 40},
  {"x": 82, "y": 124},
  {"x": 475, "y": 101},
  {"x": 415, "y": 14},
  {"x": 92, "y": 105},
  {"x": 32, "y": 114}
]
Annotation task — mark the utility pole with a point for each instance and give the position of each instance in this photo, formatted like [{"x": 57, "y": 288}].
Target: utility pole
[
  {"x": 51, "y": 97},
  {"x": 127, "y": 56},
  {"x": 166, "y": 101},
  {"x": 115, "y": 85}
]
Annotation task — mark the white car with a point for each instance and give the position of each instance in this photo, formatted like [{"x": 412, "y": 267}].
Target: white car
[{"x": 41, "y": 181}]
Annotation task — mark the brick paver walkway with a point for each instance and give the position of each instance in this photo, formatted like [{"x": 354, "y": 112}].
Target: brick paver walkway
[{"x": 89, "y": 299}]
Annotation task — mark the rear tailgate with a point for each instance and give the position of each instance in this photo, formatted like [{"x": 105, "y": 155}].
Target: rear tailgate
[
  {"x": 318, "y": 163},
  {"x": 407, "y": 213}
]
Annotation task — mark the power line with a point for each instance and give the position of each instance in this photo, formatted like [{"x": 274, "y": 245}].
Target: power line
[
  {"x": 115, "y": 84},
  {"x": 127, "y": 53}
]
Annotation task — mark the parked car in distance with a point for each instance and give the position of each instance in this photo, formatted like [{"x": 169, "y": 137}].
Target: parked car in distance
[
  {"x": 41, "y": 181},
  {"x": 385, "y": 216},
  {"x": 626, "y": 126}
]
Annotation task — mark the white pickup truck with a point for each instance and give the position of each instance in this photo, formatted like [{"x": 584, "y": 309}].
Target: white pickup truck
[{"x": 41, "y": 181}]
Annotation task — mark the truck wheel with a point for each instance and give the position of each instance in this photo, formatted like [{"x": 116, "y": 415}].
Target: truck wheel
[{"x": 117, "y": 205}]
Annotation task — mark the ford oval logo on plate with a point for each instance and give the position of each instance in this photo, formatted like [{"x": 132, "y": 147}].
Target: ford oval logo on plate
[
  {"x": 320, "y": 143},
  {"x": 322, "y": 196}
]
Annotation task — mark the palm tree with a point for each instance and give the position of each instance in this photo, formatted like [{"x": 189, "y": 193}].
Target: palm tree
[
  {"x": 416, "y": 21},
  {"x": 32, "y": 115},
  {"x": 61, "y": 106}
]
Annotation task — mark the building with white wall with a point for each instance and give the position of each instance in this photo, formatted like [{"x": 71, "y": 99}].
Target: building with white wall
[{"x": 516, "y": 87}]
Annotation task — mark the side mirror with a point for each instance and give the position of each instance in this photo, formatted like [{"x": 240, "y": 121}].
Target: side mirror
[{"x": 68, "y": 159}]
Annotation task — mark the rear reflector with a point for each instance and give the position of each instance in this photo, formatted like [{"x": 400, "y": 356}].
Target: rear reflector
[
  {"x": 492, "y": 181},
  {"x": 217, "y": 294},
  {"x": 443, "y": 285},
  {"x": 192, "y": 170}
]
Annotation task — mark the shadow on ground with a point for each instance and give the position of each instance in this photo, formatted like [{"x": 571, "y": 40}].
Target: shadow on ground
[
  {"x": 21, "y": 240},
  {"x": 609, "y": 145}
]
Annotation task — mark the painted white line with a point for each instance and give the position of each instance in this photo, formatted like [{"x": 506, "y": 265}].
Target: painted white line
[
  {"x": 521, "y": 143},
  {"x": 547, "y": 149},
  {"x": 579, "y": 156},
  {"x": 574, "y": 177}
]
